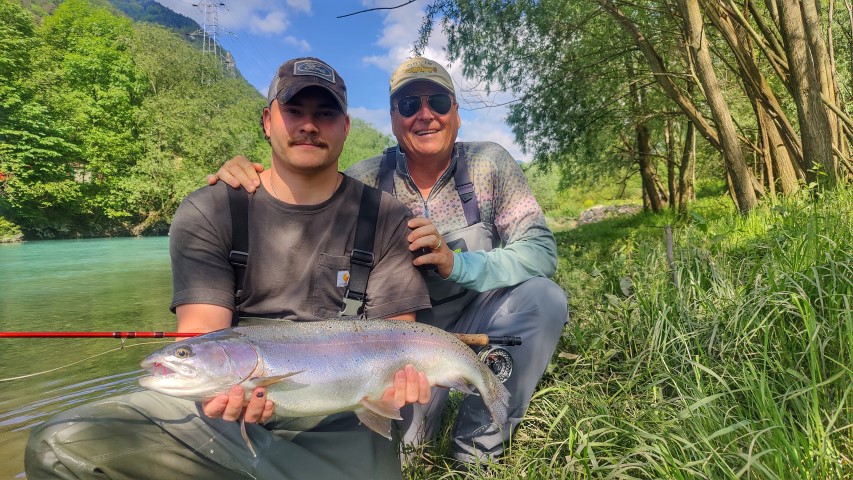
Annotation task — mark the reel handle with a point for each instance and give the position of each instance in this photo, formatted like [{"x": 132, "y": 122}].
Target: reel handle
[{"x": 481, "y": 340}]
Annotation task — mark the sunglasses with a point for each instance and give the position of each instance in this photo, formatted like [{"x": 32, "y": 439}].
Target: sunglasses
[{"x": 440, "y": 103}]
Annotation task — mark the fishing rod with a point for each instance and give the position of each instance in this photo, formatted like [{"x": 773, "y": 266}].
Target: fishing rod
[
  {"x": 490, "y": 351},
  {"x": 472, "y": 339}
]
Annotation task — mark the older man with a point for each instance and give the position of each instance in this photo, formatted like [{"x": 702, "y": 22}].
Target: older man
[{"x": 485, "y": 242}]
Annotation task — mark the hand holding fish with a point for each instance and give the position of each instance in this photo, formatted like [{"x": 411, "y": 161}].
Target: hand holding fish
[
  {"x": 410, "y": 386},
  {"x": 320, "y": 368},
  {"x": 254, "y": 409}
]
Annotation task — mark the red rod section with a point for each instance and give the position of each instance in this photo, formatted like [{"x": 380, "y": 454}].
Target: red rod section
[{"x": 97, "y": 334}]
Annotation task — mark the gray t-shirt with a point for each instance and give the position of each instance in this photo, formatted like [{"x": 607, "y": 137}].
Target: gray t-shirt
[{"x": 298, "y": 255}]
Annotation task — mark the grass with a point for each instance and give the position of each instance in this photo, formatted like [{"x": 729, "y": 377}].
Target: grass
[{"x": 734, "y": 360}]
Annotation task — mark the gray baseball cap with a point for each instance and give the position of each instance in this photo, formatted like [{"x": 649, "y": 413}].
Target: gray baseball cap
[{"x": 294, "y": 75}]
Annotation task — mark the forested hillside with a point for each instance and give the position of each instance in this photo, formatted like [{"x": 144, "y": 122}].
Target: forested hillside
[{"x": 106, "y": 124}]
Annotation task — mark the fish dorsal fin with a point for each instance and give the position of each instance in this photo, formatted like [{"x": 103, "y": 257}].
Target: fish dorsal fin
[
  {"x": 458, "y": 383},
  {"x": 377, "y": 415}
]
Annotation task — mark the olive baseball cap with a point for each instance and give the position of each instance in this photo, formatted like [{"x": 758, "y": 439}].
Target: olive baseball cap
[
  {"x": 294, "y": 75},
  {"x": 420, "y": 68}
]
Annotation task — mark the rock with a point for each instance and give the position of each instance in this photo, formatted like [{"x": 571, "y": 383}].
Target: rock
[{"x": 601, "y": 212}]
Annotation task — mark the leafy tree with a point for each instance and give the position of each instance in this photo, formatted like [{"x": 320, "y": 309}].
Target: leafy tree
[
  {"x": 106, "y": 125},
  {"x": 152, "y": 12},
  {"x": 762, "y": 83},
  {"x": 38, "y": 187},
  {"x": 88, "y": 76},
  {"x": 363, "y": 141},
  {"x": 185, "y": 128}
]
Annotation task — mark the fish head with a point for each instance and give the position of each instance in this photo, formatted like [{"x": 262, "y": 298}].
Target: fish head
[{"x": 202, "y": 367}]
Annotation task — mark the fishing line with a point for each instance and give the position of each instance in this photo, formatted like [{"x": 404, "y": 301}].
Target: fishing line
[{"x": 122, "y": 347}]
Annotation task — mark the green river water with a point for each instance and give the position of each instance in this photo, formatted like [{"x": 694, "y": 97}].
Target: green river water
[{"x": 74, "y": 285}]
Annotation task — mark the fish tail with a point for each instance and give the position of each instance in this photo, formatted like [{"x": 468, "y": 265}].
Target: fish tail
[{"x": 496, "y": 397}]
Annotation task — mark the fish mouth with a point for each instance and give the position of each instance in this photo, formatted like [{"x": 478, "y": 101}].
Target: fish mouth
[{"x": 162, "y": 370}]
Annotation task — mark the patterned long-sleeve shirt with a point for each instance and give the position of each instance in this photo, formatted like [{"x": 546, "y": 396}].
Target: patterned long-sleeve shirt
[{"x": 528, "y": 248}]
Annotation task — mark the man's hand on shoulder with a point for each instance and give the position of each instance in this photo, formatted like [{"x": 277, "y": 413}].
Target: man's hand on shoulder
[{"x": 237, "y": 172}]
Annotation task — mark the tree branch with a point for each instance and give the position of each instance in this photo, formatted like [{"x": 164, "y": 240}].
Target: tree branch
[{"x": 377, "y": 8}]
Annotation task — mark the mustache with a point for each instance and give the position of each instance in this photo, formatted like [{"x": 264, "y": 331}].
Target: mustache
[{"x": 307, "y": 140}]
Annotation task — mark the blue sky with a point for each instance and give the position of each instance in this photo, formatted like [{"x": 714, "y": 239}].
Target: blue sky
[{"x": 364, "y": 48}]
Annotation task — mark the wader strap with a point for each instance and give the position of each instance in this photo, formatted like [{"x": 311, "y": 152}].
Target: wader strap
[
  {"x": 387, "y": 169},
  {"x": 361, "y": 258},
  {"x": 464, "y": 186},
  {"x": 238, "y": 202}
]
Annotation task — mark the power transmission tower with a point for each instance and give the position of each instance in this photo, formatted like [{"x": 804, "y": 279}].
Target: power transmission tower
[{"x": 210, "y": 30}]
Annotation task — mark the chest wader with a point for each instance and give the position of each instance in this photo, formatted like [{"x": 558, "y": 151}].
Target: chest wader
[
  {"x": 448, "y": 298},
  {"x": 361, "y": 256}
]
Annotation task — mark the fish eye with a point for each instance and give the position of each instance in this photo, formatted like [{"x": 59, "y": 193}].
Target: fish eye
[{"x": 183, "y": 352}]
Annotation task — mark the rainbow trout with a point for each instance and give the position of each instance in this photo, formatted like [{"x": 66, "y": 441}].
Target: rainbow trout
[{"x": 321, "y": 368}]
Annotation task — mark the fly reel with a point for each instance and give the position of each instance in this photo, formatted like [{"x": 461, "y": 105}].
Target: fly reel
[{"x": 498, "y": 359}]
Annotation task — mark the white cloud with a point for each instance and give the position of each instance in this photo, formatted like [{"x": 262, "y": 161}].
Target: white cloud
[
  {"x": 299, "y": 43},
  {"x": 272, "y": 23},
  {"x": 259, "y": 16},
  {"x": 378, "y": 118},
  {"x": 491, "y": 126},
  {"x": 300, "y": 5}
]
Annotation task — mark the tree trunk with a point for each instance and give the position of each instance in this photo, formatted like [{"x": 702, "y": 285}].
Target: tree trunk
[
  {"x": 822, "y": 65},
  {"x": 647, "y": 169},
  {"x": 670, "y": 163},
  {"x": 685, "y": 171},
  {"x": 661, "y": 75},
  {"x": 766, "y": 157},
  {"x": 783, "y": 169},
  {"x": 741, "y": 177},
  {"x": 841, "y": 138},
  {"x": 815, "y": 128},
  {"x": 785, "y": 143}
]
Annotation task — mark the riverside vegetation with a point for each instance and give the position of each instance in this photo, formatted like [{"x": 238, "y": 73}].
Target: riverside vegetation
[
  {"x": 107, "y": 124},
  {"x": 733, "y": 360}
]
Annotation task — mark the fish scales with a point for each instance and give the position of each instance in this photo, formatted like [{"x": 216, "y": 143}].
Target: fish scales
[{"x": 320, "y": 368}]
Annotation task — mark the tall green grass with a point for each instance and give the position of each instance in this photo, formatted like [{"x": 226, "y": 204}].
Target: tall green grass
[{"x": 734, "y": 360}]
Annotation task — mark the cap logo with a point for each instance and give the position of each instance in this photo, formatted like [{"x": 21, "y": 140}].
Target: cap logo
[
  {"x": 421, "y": 70},
  {"x": 315, "y": 69}
]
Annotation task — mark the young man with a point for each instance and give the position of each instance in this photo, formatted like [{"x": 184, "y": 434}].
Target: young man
[
  {"x": 490, "y": 248},
  {"x": 301, "y": 228}
]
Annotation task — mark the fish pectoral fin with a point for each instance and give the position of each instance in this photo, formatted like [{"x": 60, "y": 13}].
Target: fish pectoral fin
[
  {"x": 377, "y": 415},
  {"x": 458, "y": 383},
  {"x": 246, "y": 436},
  {"x": 267, "y": 381},
  {"x": 382, "y": 408}
]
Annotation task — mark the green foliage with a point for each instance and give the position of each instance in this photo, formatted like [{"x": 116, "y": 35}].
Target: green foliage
[
  {"x": 563, "y": 201},
  {"x": 37, "y": 183},
  {"x": 9, "y": 232},
  {"x": 363, "y": 141},
  {"x": 152, "y": 12},
  {"x": 731, "y": 360},
  {"x": 106, "y": 125},
  {"x": 573, "y": 72}
]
